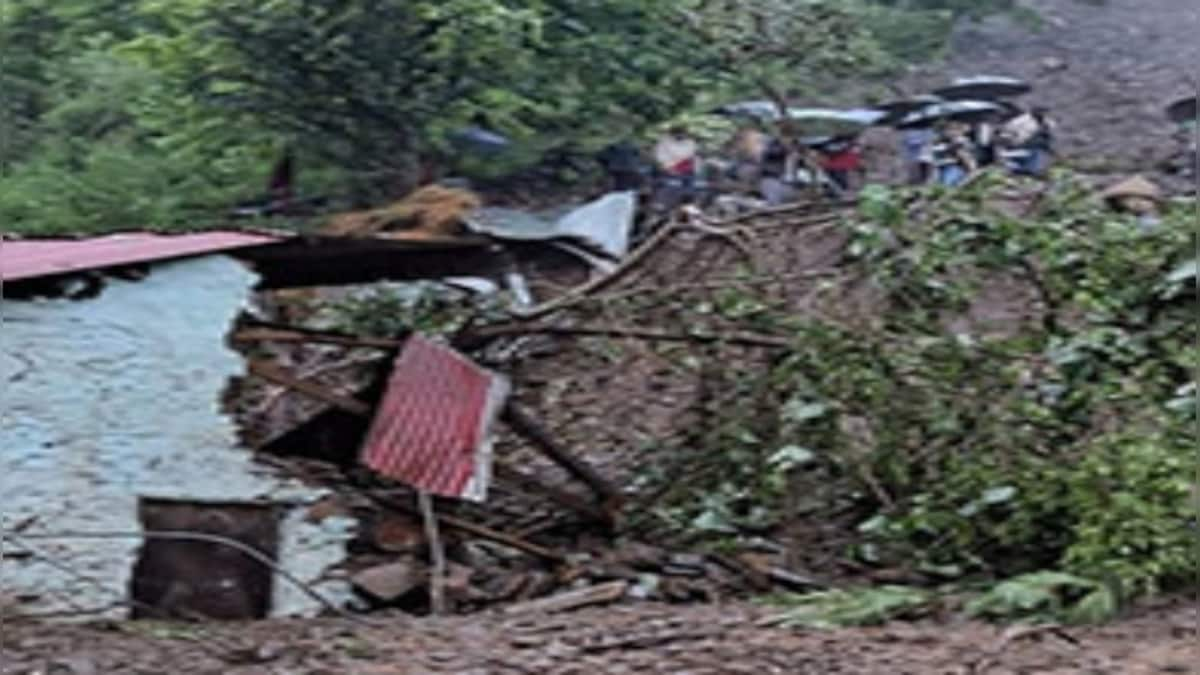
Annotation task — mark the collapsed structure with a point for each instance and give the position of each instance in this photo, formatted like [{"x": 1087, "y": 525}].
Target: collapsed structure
[{"x": 117, "y": 356}]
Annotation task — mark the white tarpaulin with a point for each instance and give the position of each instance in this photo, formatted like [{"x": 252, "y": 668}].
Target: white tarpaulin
[{"x": 602, "y": 225}]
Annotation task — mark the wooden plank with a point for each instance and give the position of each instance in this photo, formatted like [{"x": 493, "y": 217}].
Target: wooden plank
[
  {"x": 273, "y": 373},
  {"x": 525, "y": 425},
  {"x": 579, "y": 505},
  {"x": 591, "y": 595},
  {"x": 303, "y": 336}
]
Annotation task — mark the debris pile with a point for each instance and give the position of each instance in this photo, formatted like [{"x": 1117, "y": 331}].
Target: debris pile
[{"x": 514, "y": 459}]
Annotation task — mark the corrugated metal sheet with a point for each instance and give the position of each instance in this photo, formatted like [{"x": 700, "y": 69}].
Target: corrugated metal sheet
[
  {"x": 432, "y": 429},
  {"x": 32, "y": 258}
]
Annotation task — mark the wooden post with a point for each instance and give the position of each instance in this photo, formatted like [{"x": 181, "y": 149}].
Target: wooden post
[{"x": 437, "y": 555}]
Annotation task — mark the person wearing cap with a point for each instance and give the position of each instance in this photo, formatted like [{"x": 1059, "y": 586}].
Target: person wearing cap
[{"x": 1137, "y": 197}]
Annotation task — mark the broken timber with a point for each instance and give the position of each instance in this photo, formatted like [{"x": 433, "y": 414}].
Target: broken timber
[
  {"x": 488, "y": 533},
  {"x": 358, "y": 408},
  {"x": 606, "y": 493},
  {"x": 740, "y": 339},
  {"x": 273, "y": 373},
  {"x": 522, "y": 423},
  {"x": 591, "y": 595},
  {"x": 294, "y": 335}
]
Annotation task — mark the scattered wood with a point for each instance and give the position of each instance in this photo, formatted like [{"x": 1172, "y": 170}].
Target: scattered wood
[
  {"x": 273, "y": 373},
  {"x": 524, "y": 424},
  {"x": 294, "y": 336},
  {"x": 793, "y": 580},
  {"x": 583, "y": 597},
  {"x": 740, "y": 339},
  {"x": 579, "y": 505},
  {"x": 490, "y": 534}
]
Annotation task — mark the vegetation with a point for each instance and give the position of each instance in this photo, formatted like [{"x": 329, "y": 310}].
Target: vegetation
[
  {"x": 145, "y": 113},
  {"x": 1060, "y": 442}
]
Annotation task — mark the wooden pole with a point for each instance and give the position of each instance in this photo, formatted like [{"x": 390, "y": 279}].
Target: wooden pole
[{"x": 437, "y": 555}]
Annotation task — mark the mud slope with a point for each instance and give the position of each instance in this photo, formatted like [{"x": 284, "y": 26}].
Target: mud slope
[{"x": 1106, "y": 71}]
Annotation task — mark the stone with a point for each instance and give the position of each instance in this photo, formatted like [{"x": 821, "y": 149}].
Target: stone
[
  {"x": 391, "y": 581},
  {"x": 396, "y": 533}
]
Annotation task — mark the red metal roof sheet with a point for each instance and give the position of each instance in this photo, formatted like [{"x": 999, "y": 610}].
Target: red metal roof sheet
[
  {"x": 32, "y": 258},
  {"x": 432, "y": 429}
]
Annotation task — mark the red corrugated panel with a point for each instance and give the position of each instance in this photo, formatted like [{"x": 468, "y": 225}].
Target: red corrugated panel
[
  {"x": 431, "y": 430},
  {"x": 32, "y": 258}
]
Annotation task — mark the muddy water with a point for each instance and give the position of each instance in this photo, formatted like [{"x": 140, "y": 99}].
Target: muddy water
[{"x": 118, "y": 396}]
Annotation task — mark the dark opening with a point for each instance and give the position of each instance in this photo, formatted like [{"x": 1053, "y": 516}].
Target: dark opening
[{"x": 191, "y": 579}]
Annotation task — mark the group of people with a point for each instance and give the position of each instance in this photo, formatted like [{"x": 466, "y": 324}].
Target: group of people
[
  {"x": 751, "y": 160},
  {"x": 949, "y": 151},
  {"x": 776, "y": 169}
]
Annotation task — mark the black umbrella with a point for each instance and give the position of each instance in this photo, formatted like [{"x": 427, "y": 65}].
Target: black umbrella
[
  {"x": 1184, "y": 110},
  {"x": 969, "y": 112},
  {"x": 896, "y": 110},
  {"x": 983, "y": 87}
]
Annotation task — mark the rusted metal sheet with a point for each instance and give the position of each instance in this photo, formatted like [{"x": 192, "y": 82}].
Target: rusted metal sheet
[
  {"x": 431, "y": 429},
  {"x": 33, "y": 258}
]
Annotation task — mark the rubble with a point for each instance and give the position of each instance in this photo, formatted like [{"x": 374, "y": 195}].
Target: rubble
[
  {"x": 545, "y": 526},
  {"x": 387, "y": 583}
]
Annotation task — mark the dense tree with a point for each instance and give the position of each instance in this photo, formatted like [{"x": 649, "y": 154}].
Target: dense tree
[{"x": 189, "y": 101}]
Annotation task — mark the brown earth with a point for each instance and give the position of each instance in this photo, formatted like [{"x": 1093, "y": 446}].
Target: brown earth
[{"x": 642, "y": 638}]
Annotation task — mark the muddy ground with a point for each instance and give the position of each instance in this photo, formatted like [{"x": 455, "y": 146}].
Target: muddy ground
[{"x": 644, "y": 638}]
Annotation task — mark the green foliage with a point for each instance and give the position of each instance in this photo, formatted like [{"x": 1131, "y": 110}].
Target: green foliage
[
  {"x": 1047, "y": 596},
  {"x": 194, "y": 99},
  {"x": 394, "y": 309},
  {"x": 977, "y": 448},
  {"x": 852, "y": 607}
]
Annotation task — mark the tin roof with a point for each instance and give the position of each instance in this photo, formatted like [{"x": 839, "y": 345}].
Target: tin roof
[
  {"x": 32, "y": 258},
  {"x": 432, "y": 428}
]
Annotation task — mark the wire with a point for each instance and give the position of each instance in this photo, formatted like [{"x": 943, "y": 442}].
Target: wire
[{"x": 180, "y": 535}]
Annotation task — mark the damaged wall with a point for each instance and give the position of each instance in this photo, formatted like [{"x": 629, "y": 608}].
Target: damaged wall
[{"x": 118, "y": 396}]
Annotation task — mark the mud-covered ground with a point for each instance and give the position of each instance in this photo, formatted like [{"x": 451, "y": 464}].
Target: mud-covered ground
[
  {"x": 1106, "y": 70},
  {"x": 644, "y": 638}
]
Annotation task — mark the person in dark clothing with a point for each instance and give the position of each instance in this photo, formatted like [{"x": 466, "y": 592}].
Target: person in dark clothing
[{"x": 624, "y": 165}]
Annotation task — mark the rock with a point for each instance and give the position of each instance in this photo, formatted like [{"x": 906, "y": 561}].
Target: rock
[
  {"x": 685, "y": 565},
  {"x": 639, "y": 556},
  {"x": 326, "y": 507},
  {"x": 458, "y": 581},
  {"x": 1053, "y": 64},
  {"x": 646, "y": 587},
  {"x": 389, "y": 582},
  {"x": 76, "y": 665},
  {"x": 396, "y": 533}
]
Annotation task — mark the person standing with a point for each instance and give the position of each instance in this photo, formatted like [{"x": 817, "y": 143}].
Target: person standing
[
  {"x": 622, "y": 162},
  {"x": 676, "y": 161},
  {"x": 841, "y": 160},
  {"x": 953, "y": 154},
  {"x": 916, "y": 151}
]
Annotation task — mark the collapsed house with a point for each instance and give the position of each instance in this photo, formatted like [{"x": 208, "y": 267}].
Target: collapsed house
[{"x": 128, "y": 481}]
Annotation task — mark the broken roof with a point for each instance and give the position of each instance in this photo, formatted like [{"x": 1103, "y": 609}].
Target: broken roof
[{"x": 22, "y": 259}]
